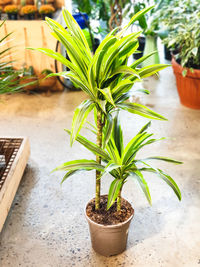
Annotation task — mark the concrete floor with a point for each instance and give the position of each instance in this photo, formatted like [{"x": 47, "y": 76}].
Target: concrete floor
[{"x": 46, "y": 225}]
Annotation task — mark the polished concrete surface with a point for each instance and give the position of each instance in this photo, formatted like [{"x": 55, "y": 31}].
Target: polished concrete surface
[{"x": 46, "y": 225}]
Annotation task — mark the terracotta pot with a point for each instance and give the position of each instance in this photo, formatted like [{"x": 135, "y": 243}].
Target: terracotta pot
[
  {"x": 188, "y": 86},
  {"x": 29, "y": 87},
  {"x": 47, "y": 83},
  {"x": 109, "y": 240},
  {"x": 5, "y": 2}
]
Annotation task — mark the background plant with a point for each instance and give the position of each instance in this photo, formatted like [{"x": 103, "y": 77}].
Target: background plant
[
  {"x": 183, "y": 33},
  {"x": 9, "y": 78},
  {"x": 105, "y": 77},
  {"x": 13, "y": 9},
  {"x": 29, "y": 9},
  {"x": 46, "y": 9}
]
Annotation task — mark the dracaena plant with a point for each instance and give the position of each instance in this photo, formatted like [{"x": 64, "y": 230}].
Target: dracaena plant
[
  {"x": 121, "y": 162},
  {"x": 105, "y": 77}
]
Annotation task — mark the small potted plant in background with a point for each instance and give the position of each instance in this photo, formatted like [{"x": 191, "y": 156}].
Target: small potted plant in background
[
  {"x": 12, "y": 11},
  {"x": 29, "y": 79},
  {"x": 185, "y": 36},
  {"x": 150, "y": 24},
  {"x": 46, "y": 11},
  {"x": 46, "y": 83},
  {"x": 1, "y": 9},
  {"x": 9, "y": 77},
  {"x": 107, "y": 79},
  {"x": 29, "y": 11}
]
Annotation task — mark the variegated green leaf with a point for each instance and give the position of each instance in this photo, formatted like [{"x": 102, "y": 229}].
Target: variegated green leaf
[
  {"x": 109, "y": 168},
  {"x": 141, "y": 110},
  {"x": 150, "y": 70},
  {"x": 91, "y": 146},
  {"x": 143, "y": 184},
  {"x": 108, "y": 95},
  {"x": 125, "y": 70},
  {"x": 80, "y": 164},
  {"x": 136, "y": 17},
  {"x": 108, "y": 129},
  {"x": 114, "y": 191},
  {"x": 68, "y": 174},
  {"x": 75, "y": 29},
  {"x": 145, "y": 127},
  {"x": 165, "y": 177},
  {"x": 79, "y": 118},
  {"x": 163, "y": 159},
  {"x": 142, "y": 59}
]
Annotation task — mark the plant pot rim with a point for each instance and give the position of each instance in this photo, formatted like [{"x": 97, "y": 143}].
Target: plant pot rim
[
  {"x": 113, "y": 226},
  {"x": 178, "y": 69}
]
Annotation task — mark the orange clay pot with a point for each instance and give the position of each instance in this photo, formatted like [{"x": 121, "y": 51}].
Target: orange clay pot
[
  {"x": 188, "y": 86},
  {"x": 29, "y": 87},
  {"x": 48, "y": 83}
]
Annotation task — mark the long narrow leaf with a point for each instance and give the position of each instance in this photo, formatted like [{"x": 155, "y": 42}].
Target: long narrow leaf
[
  {"x": 108, "y": 95},
  {"x": 109, "y": 168},
  {"x": 108, "y": 130},
  {"x": 79, "y": 118},
  {"x": 142, "y": 59},
  {"x": 68, "y": 174},
  {"x": 143, "y": 184},
  {"x": 141, "y": 110},
  {"x": 80, "y": 164},
  {"x": 164, "y": 159},
  {"x": 114, "y": 191},
  {"x": 150, "y": 70},
  {"x": 145, "y": 127},
  {"x": 165, "y": 177},
  {"x": 91, "y": 146}
]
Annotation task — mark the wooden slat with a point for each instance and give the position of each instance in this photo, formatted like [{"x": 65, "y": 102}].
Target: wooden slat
[{"x": 10, "y": 186}]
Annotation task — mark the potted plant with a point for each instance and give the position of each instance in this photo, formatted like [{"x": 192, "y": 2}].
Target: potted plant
[
  {"x": 29, "y": 80},
  {"x": 12, "y": 11},
  {"x": 29, "y": 11},
  {"x": 9, "y": 77},
  {"x": 46, "y": 83},
  {"x": 46, "y": 11},
  {"x": 107, "y": 80},
  {"x": 149, "y": 23},
  {"x": 186, "y": 62},
  {"x": 1, "y": 9}
]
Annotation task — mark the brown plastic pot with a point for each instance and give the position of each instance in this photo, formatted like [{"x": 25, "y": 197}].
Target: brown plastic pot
[
  {"x": 188, "y": 87},
  {"x": 109, "y": 240}
]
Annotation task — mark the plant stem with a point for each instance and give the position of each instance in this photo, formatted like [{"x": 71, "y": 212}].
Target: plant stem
[
  {"x": 98, "y": 158},
  {"x": 119, "y": 198}
]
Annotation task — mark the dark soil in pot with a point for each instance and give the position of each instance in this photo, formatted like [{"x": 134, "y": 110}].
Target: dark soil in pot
[
  {"x": 167, "y": 53},
  {"x": 141, "y": 41},
  {"x": 111, "y": 216}
]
